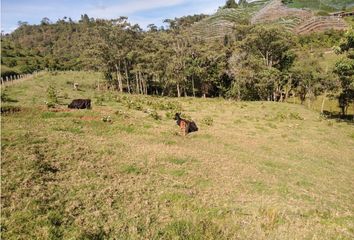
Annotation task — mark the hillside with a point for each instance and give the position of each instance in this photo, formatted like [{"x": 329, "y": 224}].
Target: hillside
[
  {"x": 222, "y": 22},
  {"x": 254, "y": 170},
  {"x": 275, "y": 10},
  {"x": 322, "y": 5},
  {"x": 297, "y": 16}
]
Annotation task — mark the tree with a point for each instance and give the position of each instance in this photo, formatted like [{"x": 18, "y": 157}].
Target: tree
[
  {"x": 45, "y": 21},
  {"x": 21, "y": 23},
  {"x": 329, "y": 86},
  {"x": 231, "y": 4},
  {"x": 263, "y": 55},
  {"x": 242, "y": 2},
  {"x": 310, "y": 79},
  {"x": 272, "y": 44},
  {"x": 345, "y": 70}
]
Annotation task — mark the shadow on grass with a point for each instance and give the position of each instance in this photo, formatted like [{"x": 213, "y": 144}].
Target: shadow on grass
[
  {"x": 349, "y": 118},
  {"x": 10, "y": 100}
]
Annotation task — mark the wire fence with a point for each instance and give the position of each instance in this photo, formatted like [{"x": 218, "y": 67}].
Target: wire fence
[{"x": 11, "y": 79}]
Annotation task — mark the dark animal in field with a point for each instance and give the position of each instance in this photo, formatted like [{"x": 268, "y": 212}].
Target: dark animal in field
[
  {"x": 185, "y": 125},
  {"x": 80, "y": 104}
]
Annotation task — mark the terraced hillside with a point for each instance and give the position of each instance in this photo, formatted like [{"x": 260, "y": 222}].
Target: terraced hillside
[
  {"x": 275, "y": 10},
  {"x": 322, "y": 5},
  {"x": 316, "y": 24},
  {"x": 222, "y": 22},
  {"x": 300, "y": 21}
]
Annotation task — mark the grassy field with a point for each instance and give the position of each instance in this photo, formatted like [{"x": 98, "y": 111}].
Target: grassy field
[{"x": 254, "y": 170}]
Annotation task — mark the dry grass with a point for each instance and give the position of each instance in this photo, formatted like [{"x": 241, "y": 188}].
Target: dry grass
[{"x": 255, "y": 170}]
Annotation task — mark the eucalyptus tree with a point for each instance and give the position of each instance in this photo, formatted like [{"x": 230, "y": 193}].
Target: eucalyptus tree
[
  {"x": 345, "y": 70},
  {"x": 273, "y": 45},
  {"x": 110, "y": 43},
  {"x": 308, "y": 78}
]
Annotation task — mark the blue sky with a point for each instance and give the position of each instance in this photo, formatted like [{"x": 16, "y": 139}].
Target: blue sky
[{"x": 142, "y": 12}]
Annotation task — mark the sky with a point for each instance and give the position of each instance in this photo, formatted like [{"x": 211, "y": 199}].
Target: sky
[{"x": 143, "y": 12}]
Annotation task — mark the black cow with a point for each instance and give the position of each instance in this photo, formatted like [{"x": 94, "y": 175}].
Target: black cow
[
  {"x": 80, "y": 104},
  {"x": 185, "y": 125}
]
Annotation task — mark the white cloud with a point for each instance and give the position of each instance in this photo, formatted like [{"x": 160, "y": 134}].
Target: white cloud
[{"x": 127, "y": 8}]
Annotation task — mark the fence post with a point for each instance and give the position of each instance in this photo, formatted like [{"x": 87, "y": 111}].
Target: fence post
[
  {"x": 2, "y": 81},
  {"x": 7, "y": 78}
]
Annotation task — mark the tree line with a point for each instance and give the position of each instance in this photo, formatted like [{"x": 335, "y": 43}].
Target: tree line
[{"x": 255, "y": 62}]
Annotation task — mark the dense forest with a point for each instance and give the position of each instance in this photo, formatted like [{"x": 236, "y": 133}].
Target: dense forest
[{"x": 254, "y": 62}]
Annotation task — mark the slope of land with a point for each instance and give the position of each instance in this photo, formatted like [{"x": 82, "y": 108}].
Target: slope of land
[
  {"x": 322, "y": 5},
  {"x": 301, "y": 21},
  {"x": 275, "y": 10},
  {"x": 222, "y": 22},
  {"x": 298, "y": 16},
  {"x": 321, "y": 24},
  {"x": 254, "y": 170}
]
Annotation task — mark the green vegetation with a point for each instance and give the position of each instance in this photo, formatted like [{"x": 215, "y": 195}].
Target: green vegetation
[
  {"x": 322, "y": 5},
  {"x": 261, "y": 166},
  {"x": 345, "y": 70},
  {"x": 253, "y": 62},
  {"x": 256, "y": 170},
  {"x": 231, "y": 4}
]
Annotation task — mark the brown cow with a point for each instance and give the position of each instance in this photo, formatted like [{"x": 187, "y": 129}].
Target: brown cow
[{"x": 185, "y": 125}]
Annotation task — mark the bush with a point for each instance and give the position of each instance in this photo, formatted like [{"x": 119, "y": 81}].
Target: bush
[
  {"x": 295, "y": 116},
  {"x": 153, "y": 114},
  {"x": 99, "y": 100},
  {"x": 107, "y": 119},
  {"x": 121, "y": 113},
  {"x": 170, "y": 115},
  {"x": 52, "y": 95},
  {"x": 4, "y": 96},
  {"x": 208, "y": 121}
]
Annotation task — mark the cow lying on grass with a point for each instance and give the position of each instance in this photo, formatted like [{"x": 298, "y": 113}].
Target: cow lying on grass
[
  {"x": 185, "y": 125},
  {"x": 80, "y": 104}
]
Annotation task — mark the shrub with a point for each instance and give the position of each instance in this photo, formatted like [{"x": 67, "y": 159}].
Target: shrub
[
  {"x": 50, "y": 104},
  {"x": 295, "y": 116},
  {"x": 107, "y": 119},
  {"x": 52, "y": 95},
  {"x": 4, "y": 96},
  {"x": 208, "y": 121},
  {"x": 154, "y": 114},
  {"x": 170, "y": 114},
  {"x": 121, "y": 113},
  {"x": 99, "y": 100},
  {"x": 134, "y": 105}
]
